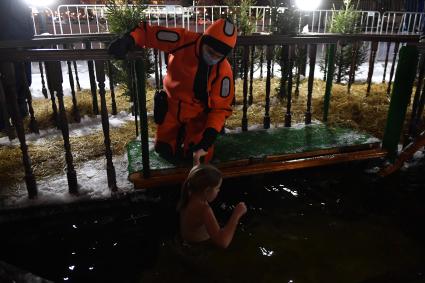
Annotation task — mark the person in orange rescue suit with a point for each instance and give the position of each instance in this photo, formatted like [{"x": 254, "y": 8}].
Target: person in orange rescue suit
[{"x": 198, "y": 84}]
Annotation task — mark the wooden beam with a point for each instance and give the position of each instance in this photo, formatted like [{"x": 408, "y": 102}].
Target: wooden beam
[
  {"x": 250, "y": 167},
  {"x": 407, "y": 154}
]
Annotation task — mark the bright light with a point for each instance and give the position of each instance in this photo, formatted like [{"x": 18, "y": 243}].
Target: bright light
[
  {"x": 308, "y": 5},
  {"x": 39, "y": 3}
]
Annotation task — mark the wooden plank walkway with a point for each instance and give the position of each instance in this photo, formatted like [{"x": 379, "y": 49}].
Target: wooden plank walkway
[{"x": 263, "y": 151}]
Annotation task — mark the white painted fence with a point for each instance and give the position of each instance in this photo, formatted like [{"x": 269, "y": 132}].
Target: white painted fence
[
  {"x": 402, "y": 22},
  {"x": 318, "y": 21},
  {"x": 86, "y": 19}
]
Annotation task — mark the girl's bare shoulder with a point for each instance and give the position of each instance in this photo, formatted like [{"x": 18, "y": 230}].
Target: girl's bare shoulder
[{"x": 197, "y": 208}]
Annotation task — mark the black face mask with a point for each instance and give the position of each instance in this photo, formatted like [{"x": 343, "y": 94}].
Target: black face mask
[{"x": 200, "y": 82}]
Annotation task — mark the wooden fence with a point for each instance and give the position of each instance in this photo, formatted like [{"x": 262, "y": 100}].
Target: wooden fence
[{"x": 99, "y": 67}]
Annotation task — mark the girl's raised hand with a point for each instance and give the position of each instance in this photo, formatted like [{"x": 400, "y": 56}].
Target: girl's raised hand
[{"x": 240, "y": 208}]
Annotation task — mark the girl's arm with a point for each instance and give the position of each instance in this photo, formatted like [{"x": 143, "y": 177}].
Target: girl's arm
[{"x": 223, "y": 236}]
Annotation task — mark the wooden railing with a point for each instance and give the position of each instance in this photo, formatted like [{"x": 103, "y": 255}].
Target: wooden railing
[{"x": 99, "y": 66}]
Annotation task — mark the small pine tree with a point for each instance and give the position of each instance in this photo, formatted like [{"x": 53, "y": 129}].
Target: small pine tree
[
  {"x": 122, "y": 18},
  {"x": 242, "y": 16},
  {"x": 284, "y": 22},
  {"x": 245, "y": 23},
  {"x": 346, "y": 21}
]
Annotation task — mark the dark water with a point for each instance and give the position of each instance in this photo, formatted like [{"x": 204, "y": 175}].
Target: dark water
[{"x": 334, "y": 224}]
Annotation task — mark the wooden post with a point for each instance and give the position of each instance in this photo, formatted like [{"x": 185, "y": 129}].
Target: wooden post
[
  {"x": 341, "y": 59},
  {"x": 160, "y": 69},
  {"x": 43, "y": 88},
  {"x": 112, "y": 87},
  {"x": 251, "y": 75},
  {"x": 284, "y": 52},
  {"x": 386, "y": 61},
  {"x": 288, "y": 115},
  {"x": 372, "y": 57},
  {"x": 155, "y": 52},
  {"x": 33, "y": 123},
  {"x": 76, "y": 75},
  {"x": 235, "y": 71},
  {"x": 326, "y": 63},
  {"x": 297, "y": 81},
  {"x": 54, "y": 80},
  {"x": 400, "y": 97},
  {"x": 141, "y": 98},
  {"x": 75, "y": 110},
  {"x": 419, "y": 113},
  {"x": 245, "y": 88},
  {"x": 312, "y": 55},
  {"x": 415, "y": 105},
  {"x": 396, "y": 47},
  {"x": 261, "y": 61},
  {"x": 7, "y": 71},
  {"x": 133, "y": 93},
  {"x": 55, "y": 115},
  {"x": 110, "y": 169},
  {"x": 90, "y": 65},
  {"x": 8, "y": 128},
  {"x": 329, "y": 81},
  {"x": 353, "y": 65},
  {"x": 303, "y": 61},
  {"x": 269, "y": 55}
]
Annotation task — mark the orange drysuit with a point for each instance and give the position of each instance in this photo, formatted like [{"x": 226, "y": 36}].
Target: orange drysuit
[{"x": 199, "y": 95}]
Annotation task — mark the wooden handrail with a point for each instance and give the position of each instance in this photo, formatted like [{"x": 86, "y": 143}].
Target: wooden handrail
[
  {"x": 54, "y": 40},
  {"x": 9, "y": 50},
  {"x": 311, "y": 38},
  {"x": 404, "y": 156}
]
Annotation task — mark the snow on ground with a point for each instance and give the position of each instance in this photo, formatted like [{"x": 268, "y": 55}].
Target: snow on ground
[
  {"x": 92, "y": 180},
  {"x": 91, "y": 175},
  {"x": 87, "y": 126},
  {"x": 83, "y": 74}
]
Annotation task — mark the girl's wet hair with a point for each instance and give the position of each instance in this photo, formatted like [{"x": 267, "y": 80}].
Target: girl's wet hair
[{"x": 200, "y": 178}]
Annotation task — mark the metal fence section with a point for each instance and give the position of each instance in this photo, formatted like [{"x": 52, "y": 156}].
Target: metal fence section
[
  {"x": 81, "y": 19},
  {"x": 89, "y": 19},
  {"x": 43, "y": 19},
  {"x": 92, "y": 19},
  {"x": 200, "y": 17},
  {"x": 319, "y": 21},
  {"x": 402, "y": 22}
]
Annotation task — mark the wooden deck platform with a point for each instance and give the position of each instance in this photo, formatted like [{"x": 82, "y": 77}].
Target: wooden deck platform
[{"x": 263, "y": 151}]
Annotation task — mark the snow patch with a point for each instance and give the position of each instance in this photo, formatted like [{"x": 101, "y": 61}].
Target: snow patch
[
  {"x": 87, "y": 126},
  {"x": 92, "y": 180}
]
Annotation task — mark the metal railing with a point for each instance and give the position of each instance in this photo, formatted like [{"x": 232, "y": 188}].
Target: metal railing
[
  {"x": 402, "y": 23},
  {"x": 82, "y": 19},
  {"x": 44, "y": 20},
  {"x": 319, "y": 20}
]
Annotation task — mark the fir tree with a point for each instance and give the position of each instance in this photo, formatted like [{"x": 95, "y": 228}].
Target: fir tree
[
  {"x": 245, "y": 22},
  {"x": 346, "y": 21},
  {"x": 285, "y": 21},
  {"x": 122, "y": 18}
]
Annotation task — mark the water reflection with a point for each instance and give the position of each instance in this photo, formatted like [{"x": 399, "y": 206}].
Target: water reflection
[
  {"x": 266, "y": 252},
  {"x": 336, "y": 226}
]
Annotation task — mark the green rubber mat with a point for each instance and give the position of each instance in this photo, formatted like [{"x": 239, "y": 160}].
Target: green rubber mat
[{"x": 261, "y": 143}]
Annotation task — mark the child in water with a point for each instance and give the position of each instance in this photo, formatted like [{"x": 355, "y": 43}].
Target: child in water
[{"x": 197, "y": 219}]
